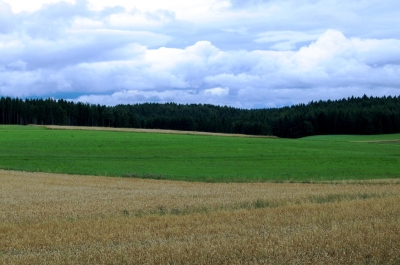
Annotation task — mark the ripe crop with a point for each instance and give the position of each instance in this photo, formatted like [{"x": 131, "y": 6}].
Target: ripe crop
[{"x": 70, "y": 219}]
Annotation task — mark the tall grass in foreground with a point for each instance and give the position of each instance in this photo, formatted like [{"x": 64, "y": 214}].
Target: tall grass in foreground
[{"x": 61, "y": 219}]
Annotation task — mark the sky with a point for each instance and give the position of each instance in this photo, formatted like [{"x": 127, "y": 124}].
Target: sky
[{"x": 240, "y": 53}]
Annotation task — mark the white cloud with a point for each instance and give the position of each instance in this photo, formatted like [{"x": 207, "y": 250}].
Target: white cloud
[
  {"x": 81, "y": 23},
  {"x": 137, "y": 20},
  {"x": 30, "y": 6},
  {"x": 246, "y": 54},
  {"x": 285, "y": 40},
  {"x": 333, "y": 64},
  {"x": 217, "y": 91}
]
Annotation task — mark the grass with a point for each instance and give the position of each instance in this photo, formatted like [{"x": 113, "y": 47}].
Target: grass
[
  {"x": 198, "y": 157},
  {"x": 68, "y": 219},
  {"x": 356, "y": 138}
]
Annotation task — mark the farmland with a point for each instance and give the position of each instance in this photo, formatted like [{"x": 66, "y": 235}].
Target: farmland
[
  {"x": 315, "y": 200},
  {"x": 68, "y": 219},
  {"x": 199, "y": 157}
]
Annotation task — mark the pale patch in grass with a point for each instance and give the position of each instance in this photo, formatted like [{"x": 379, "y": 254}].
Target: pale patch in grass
[
  {"x": 391, "y": 141},
  {"x": 66, "y": 219},
  {"x": 57, "y": 127}
]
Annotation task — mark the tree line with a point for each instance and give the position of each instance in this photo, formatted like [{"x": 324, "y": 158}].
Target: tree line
[{"x": 365, "y": 115}]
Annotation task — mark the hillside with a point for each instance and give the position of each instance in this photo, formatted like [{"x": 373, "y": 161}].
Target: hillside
[{"x": 366, "y": 115}]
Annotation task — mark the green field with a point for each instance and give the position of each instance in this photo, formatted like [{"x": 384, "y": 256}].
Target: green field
[{"x": 199, "y": 158}]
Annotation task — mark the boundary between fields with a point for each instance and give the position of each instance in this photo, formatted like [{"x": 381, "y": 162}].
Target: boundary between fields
[{"x": 57, "y": 127}]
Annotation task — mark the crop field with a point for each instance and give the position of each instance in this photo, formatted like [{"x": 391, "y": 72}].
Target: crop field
[
  {"x": 68, "y": 219},
  {"x": 194, "y": 157},
  {"x": 315, "y": 200}
]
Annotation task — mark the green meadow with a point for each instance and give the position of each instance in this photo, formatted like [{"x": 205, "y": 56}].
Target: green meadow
[{"x": 198, "y": 157}]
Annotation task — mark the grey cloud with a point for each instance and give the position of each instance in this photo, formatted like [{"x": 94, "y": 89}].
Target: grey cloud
[
  {"x": 44, "y": 39},
  {"x": 99, "y": 46},
  {"x": 364, "y": 19},
  {"x": 51, "y": 21},
  {"x": 266, "y": 76},
  {"x": 184, "y": 97},
  {"x": 206, "y": 74},
  {"x": 271, "y": 58},
  {"x": 375, "y": 56}
]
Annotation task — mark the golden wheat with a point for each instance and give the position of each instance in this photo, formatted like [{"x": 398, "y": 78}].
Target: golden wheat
[{"x": 64, "y": 219}]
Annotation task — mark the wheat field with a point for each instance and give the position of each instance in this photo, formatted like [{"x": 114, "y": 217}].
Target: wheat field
[{"x": 69, "y": 219}]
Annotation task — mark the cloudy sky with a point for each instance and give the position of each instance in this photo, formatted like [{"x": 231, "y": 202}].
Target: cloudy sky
[{"x": 241, "y": 53}]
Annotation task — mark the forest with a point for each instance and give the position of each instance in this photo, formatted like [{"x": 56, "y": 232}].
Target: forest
[{"x": 364, "y": 115}]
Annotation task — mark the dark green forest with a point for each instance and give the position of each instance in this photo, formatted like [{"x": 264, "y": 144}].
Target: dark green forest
[{"x": 366, "y": 115}]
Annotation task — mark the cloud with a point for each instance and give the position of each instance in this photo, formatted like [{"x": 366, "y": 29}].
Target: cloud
[
  {"x": 6, "y": 18},
  {"x": 217, "y": 91},
  {"x": 249, "y": 3},
  {"x": 331, "y": 67},
  {"x": 245, "y": 54},
  {"x": 285, "y": 40},
  {"x": 209, "y": 96},
  {"x": 204, "y": 73}
]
